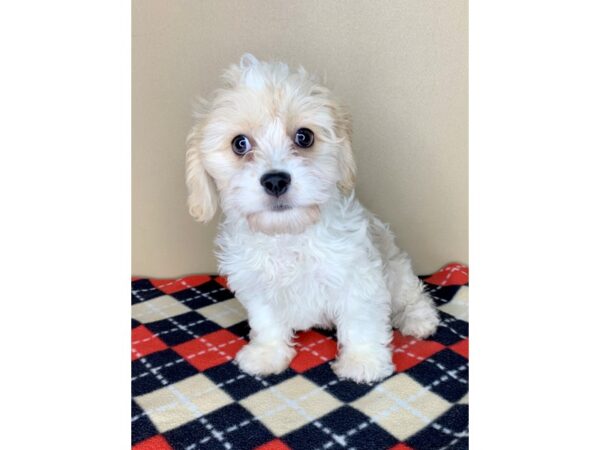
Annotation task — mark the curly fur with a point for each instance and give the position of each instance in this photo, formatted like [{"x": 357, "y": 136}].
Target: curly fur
[{"x": 323, "y": 260}]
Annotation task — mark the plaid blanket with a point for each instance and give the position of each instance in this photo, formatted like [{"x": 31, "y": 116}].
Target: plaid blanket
[{"x": 188, "y": 393}]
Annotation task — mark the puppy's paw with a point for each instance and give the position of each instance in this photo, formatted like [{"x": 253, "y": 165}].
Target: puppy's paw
[
  {"x": 419, "y": 320},
  {"x": 365, "y": 364},
  {"x": 421, "y": 329},
  {"x": 264, "y": 359}
]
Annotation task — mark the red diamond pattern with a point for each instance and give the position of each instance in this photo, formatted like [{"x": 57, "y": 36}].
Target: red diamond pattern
[
  {"x": 450, "y": 275},
  {"x": 275, "y": 444},
  {"x": 400, "y": 447},
  {"x": 222, "y": 281},
  {"x": 409, "y": 351},
  {"x": 154, "y": 443},
  {"x": 313, "y": 349},
  {"x": 144, "y": 342},
  {"x": 462, "y": 348},
  {"x": 211, "y": 349}
]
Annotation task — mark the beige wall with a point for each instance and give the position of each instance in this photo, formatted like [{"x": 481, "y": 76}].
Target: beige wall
[{"x": 401, "y": 66}]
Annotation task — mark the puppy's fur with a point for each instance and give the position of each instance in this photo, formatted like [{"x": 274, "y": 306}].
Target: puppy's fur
[{"x": 313, "y": 257}]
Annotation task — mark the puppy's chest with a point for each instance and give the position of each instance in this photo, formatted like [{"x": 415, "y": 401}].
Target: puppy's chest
[{"x": 297, "y": 263}]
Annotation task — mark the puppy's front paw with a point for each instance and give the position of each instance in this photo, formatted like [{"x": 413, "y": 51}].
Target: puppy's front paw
[
  {"x": 264, "y": 359},
  {"x": 365, "y": 364}
]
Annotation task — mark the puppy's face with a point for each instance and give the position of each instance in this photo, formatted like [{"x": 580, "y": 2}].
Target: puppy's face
[{"x": 276, "y": 146}]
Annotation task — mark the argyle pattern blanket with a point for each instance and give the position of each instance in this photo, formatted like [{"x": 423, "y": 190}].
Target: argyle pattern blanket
[{"x": 189, "y": 394}]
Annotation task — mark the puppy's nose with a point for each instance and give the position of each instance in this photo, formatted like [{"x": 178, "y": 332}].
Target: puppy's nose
[{"x": 276, "y": 183}]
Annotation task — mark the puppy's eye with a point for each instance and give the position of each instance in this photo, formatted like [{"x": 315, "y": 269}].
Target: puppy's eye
[
  {"x": 241, "y": 145},
  {"x": 304, "y": 138}
]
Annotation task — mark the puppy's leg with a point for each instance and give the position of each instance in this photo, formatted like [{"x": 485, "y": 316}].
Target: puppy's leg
[
  {"x": 413, "y": 310},
  {"x": 269, "y": 350},
  {"x": 364, "y": 334}
]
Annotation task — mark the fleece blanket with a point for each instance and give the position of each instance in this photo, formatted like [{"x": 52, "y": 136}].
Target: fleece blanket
[{"x": 188, "y": 393}]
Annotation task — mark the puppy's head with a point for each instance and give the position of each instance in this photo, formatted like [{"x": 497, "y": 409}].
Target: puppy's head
[{"x": 275, "y": 145}]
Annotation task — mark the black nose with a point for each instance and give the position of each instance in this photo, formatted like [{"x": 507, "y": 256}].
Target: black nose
[{"x": 276, "y": 183}]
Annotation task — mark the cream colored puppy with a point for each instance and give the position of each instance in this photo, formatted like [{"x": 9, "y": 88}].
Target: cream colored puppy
[{"x": 298, "y": 248}]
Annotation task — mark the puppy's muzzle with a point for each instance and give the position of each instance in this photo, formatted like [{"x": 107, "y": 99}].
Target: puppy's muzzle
[{"x": 276, "y": 183}]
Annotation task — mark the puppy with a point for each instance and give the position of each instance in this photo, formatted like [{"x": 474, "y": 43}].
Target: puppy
[{"x": 273, "y": 148}]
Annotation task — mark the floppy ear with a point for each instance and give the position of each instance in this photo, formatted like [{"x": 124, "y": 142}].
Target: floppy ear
[
  {"x": 202, "y": 196},
  {"x": 346, "y": 162}
]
